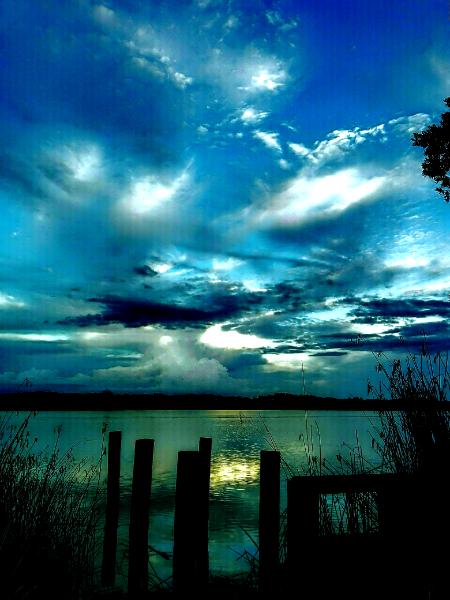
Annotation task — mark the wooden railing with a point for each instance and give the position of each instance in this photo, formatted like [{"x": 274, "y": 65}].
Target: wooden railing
[{"x": 397, "y": 498}]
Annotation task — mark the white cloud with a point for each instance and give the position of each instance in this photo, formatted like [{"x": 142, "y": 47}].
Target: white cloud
[
  {"x": 411, "y": 123},
  {"x": 338, "y": 143},
  {"x": 151, "y": 57},
  {"x": 268, "y": 80},
  {"x": 407, "y": 261},
  {"x": 104, "y": 15},
  {"x": 307, "y": 197},
  {"x": 290, "y": 361},
  {"x": 172, "y": 363},
  {"x": 150, "y": 67},
  {"x": 180, "y": 79},
  {"x": 232, "y": 22},
  {"x": 148, "y": 193},
  {"x": 7, "y": 301},
  {"x": 34, "y": 337},
  {"x": 250, "y": 115},
  {"x": 161, "y": 267},
  {"x": 276, "y": 20},
  {"x": 89, "y": 336},
  {"x": 371, "y": 328},
  {"x": 269, "y": 139},
  {"x": 299, "y": 149},
  {"x": 215, "y": 337},
  {"x": 84, "y": 162},
  {"x": 225, "y": 265},
  {"x": 252, "y": 285}
]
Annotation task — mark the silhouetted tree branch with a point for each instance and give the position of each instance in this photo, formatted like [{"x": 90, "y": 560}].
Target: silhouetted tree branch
[{"x": 435, "y": 139}]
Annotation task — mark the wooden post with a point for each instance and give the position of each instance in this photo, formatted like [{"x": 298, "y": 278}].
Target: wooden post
[
  {"x": 139, "y": 517},
  {"x": 187, "y": 524},
  {"x": 269, "y": 520},
  {"x": 112, "y": 509},
  {"x": 205, "y": 446}
]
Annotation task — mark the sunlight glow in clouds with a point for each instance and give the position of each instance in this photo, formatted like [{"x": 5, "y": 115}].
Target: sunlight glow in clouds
[
  {"x": 217, "y": 338},
  {"x": 319, "y": 195},
  {"x": 290, "y": 361},
  {"x": 266, "y": 80},
  {"x": 148, "y": 193},
  {"x": 92, "y": 335},
  {"x": 84, "y": 164},
  {"x": 34, "y": 337},
  {"x": 192, "y": 163},
  {"x": 407, "y": 262}
]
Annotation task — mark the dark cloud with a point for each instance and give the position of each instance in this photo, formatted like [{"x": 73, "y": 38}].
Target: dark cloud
[
  {"x": 137, "y": 313},
  {"x": 330, "y": 353},
  {"x": 408, "y": 338},
  {"x": 385, "y": 309},
  {"x": 145, "y": 271}
]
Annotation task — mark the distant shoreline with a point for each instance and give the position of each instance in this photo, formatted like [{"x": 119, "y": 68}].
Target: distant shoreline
[{"x": 107, "y": 401}]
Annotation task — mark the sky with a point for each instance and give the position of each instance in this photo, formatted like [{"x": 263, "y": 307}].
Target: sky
[{"x": 219, "y": 196}]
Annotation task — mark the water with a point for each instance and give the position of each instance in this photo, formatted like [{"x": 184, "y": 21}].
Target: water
[{"x": 238, "y": 437}]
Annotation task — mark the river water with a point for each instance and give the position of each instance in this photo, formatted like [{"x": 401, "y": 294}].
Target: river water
[{"x": 238, "y": 437}]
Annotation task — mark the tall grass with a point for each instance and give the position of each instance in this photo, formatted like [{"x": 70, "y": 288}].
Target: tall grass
[
  {"x": 417, "y": 439},
  {"x": 48, "y": 516}
]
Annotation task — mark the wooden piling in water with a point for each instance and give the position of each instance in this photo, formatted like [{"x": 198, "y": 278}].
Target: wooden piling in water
[
  {"x": 204, "y": 448},
  {"x": 189, "y": 511},
  {"x": 139, "y": 517},
  {"x": 112, "y": 509},
  {"x": 269, "y": 520}
]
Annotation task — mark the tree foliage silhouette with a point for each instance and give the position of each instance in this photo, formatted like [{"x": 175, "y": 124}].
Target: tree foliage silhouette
[{"x": 435, "y": 139}]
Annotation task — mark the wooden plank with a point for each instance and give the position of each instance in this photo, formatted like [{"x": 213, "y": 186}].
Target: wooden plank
[
  {"x": 269, "y": 520},
  {"x": 336, "y": 484},
  {"x": 112, "y": 509},
  {"x": 139, "y": 516},
  {"x": 302, "y": 517}
]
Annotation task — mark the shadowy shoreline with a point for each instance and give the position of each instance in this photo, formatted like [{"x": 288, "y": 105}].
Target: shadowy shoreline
[{"x": 108, "y": 401}]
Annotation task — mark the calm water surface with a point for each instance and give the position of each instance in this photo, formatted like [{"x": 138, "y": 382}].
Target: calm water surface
[{"x": 238, "y": 437}]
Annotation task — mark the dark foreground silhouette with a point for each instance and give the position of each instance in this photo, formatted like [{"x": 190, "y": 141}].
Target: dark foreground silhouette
[{"x": 107, "y": 400}]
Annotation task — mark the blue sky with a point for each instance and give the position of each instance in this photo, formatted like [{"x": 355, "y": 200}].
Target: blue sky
[{"x": 207, "y": 195}]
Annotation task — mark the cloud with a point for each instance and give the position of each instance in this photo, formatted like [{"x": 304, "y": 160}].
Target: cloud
[
  {"x": 226, "y": 264},
  {"x": 148, "y": 193},
  {"x": 216, "y": 337},
  {"x": 7, "y": 302},
  {"x": 338, "y": 144},
  {"x": 145, "y": 271},
  {"x": 250, "y": 116},
  {"x": 132, "y": 312},
  {"x": 299, "y": 149},
  {"x": 269, "y": 139},
  {"x": 307, "y": 198},
  {"x": 384, "y": 309},
  {"x": 411, "y": 123},
  {"x": 268, "y": 80}
]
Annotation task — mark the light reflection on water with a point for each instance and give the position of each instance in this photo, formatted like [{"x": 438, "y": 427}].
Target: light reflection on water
[{"x": 238, "y": 437}]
